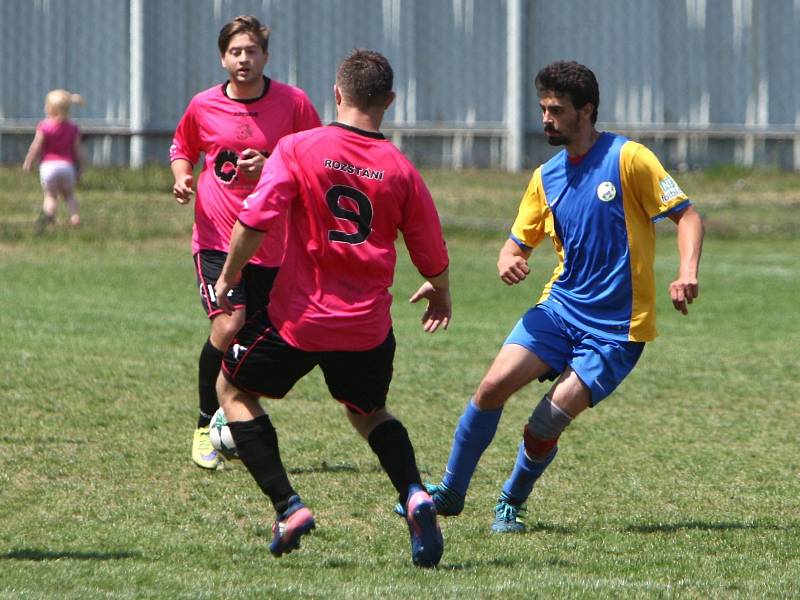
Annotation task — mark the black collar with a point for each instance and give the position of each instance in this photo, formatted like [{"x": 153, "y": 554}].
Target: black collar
[
  {"x": 247, "y": 100},
  {"x": 370, "y": 134}
]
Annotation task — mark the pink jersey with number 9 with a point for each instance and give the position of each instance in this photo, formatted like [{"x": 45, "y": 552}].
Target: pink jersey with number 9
[{"x": 348, "y": 193}]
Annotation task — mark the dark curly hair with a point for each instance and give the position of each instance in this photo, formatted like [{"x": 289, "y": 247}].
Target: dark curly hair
[
  {"x": 365, "y": 78},
  {"x": 569, "y": 78}
]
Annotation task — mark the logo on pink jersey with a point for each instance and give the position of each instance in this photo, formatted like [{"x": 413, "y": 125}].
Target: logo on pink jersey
[
  {"x": 225, "y": 165},
  {"x": 243, "y": 131}
]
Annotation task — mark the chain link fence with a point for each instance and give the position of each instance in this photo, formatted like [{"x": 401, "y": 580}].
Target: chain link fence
[{"x": 701, "y": 81}]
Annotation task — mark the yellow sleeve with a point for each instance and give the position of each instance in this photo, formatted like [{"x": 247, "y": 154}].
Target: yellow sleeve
[
  {"x": 654, "y": 189},
  {"x": 529, "y": 226}
]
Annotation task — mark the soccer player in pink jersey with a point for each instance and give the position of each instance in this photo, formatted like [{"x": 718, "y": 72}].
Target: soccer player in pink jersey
[
  {"x": 236, "y": 125},
  {"x": 348, "y": 191},
  {"x": 57, "y": 145}
]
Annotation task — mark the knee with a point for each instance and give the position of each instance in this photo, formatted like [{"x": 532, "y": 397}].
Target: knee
[
  {"x": 224, "y": 330},
  {"x": 366, "y": 424},
  {"x": 227, "y": 393},
  {"x": 492, "y": 393},
  {"x": 545, "y": 425}
]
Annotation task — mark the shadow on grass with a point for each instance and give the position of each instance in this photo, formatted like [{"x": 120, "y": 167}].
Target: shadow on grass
[
  {"x": 699, "y": 525},
  {"x": 326, "y": 468},
  {"x": 550, "y": 528},
  {"x": 504, "y": 562},
  {"x": 42, "y": 555}
]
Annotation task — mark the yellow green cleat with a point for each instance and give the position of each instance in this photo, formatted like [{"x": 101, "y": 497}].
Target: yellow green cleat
[{"x": 203, "y": 453}]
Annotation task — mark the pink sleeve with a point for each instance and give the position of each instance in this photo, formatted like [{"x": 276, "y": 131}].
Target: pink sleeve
[
  {"x": 274, "y": 192},
  {"x": 422, "y": 231},
  {"x": 186, "y": 141},
  {"x": 305, "y": 116}
]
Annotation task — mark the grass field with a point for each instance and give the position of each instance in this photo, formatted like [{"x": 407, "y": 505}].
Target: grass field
[{"x": 684, "y": 484}]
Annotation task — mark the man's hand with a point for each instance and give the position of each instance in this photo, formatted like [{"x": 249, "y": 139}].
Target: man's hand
[
  {"x": 250, "y": 164},
  {"x": 222, "y": 288},
  {"x": 439, "y": 309},
  {"x": 183, "y": 189},
  {"x": 683, "y": 291},
  {"x": 512, "y": 264},
  {"x": 512, "y": 269}
]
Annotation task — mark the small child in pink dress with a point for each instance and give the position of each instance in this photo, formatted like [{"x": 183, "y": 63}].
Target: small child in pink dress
[{"x": 57, "y": 145}]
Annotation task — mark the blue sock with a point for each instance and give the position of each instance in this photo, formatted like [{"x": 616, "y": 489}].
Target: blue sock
[
  {"x": 474, "y": 433},
  {"x": 519, "y": 486}
]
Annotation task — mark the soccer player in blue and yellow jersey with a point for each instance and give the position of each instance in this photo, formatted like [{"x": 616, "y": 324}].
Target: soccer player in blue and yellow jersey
[{"x": 597, "y": 200}]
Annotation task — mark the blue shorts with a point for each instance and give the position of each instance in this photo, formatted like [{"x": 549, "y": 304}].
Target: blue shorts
[{"x": 601, "y": 364}]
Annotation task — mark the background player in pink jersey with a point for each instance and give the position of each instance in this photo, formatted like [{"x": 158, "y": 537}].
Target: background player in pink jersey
[
  {"x": 57, "y": 144},
  {"x": 236, "y": 125},
  {"x": 348, "y": 192}
]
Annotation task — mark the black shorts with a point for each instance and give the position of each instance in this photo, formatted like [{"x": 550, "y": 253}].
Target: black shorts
[
  {"x": 252, "y": 292},
  {"x": 261, "y": 362}
]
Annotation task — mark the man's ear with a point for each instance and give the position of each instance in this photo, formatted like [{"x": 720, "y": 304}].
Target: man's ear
[{"x": 587, "y": 110}]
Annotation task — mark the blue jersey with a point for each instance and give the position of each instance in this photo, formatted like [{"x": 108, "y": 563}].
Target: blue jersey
[{"x": 600, "y": 215}]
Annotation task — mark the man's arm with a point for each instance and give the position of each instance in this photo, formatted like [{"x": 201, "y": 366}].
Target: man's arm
[
  {"x": 244, "y": 243},
  {"x": 183, "y": 188},
  {"x": 512, "y": 264},
  {"x": 440, "y": 307},
  {"x": 685, "y": 288}
]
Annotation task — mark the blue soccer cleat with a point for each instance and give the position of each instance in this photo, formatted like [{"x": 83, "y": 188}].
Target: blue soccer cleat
[
  {"x": 508, "y": 517},
  {"x": 427, "y": 544},
  {"x": 290, "y": 526}
]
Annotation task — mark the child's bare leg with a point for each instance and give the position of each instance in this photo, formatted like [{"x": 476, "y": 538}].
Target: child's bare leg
[
  {"x": 72, "y": 206},
  {"x": 49, "y": 205}
]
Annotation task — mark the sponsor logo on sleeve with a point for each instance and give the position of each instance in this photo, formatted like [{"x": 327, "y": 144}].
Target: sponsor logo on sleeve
[
  {"x": 669, "y": 189},
  {"x": 606, "y": 191}
]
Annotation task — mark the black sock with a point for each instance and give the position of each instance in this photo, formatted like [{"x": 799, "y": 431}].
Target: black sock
[
  {"x": 257, "y": 446},
  {"x": 210, "y": 363},
  {"x": 389, "y": 441}
]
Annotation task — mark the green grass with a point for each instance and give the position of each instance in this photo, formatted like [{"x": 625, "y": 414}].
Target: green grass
[{"x": 683, "y": 484}]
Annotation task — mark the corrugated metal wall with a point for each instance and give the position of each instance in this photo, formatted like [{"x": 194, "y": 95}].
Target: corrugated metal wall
[{"x": 701, "y": 81}]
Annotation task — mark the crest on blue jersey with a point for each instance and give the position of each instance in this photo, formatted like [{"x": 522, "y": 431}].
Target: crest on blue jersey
[{"x": 606, "y": 191}]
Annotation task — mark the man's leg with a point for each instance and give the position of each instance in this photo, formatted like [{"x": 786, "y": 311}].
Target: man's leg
[
  {"x": 257, "y": 446},
  {"x": 223, "y": 330},
  {"x": 513, "y": 368},
  {"x": 208, "y": 265},
  {"x": 360, "y": 381},
  {"x": 390, "y": 442},
  {"x": 555, "y": 411},
  {"x": 596, "y": 368}
]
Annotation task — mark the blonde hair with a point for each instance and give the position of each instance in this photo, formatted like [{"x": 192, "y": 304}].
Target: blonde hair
[{"x": 58, "y": 103}]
